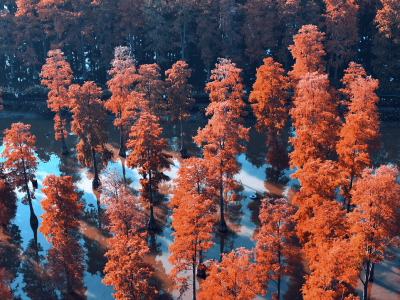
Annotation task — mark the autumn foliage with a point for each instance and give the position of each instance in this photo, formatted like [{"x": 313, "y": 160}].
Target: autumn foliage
[
  {"x": 60, "y": 224},
  {"x": 126, "y": 269},
  {"x": 192, "y": 222},
  {"x": 148, "y": 157},
  {"x": 275, "y": 251},
  {"x": 234, "y": 278},
  {"x": 57, "y": 76}
]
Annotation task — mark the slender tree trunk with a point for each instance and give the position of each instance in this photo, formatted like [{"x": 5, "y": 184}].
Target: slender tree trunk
[
  {"x": 183, "y": 150},
  {"x": 33, "y": 220},
  {"x": 222, "y": 224},
  {"x": 96, "y": 180},
  {"x": 201, "y": 272},
  {"x": 64, "y": 149},
  {"x": 84, "y": 73},
  {"x": 366, "y": 280},
  {"x": 152, "y": 222},
  {"x": 371, "y": 275},
  {"x": 194, "y": 271},
  {"x": 122, "y": 151}
]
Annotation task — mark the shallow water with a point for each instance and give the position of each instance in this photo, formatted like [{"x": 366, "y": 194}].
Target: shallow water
[{"x": 241, "y": 216}]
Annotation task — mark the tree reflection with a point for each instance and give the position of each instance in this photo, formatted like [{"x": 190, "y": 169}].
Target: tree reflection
[
  {"x": 160, "y": 280},
  {"x": 37, "y": 280}
]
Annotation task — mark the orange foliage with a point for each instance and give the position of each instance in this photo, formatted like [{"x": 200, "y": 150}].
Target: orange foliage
[
  {"x": 234, "y": 278},
  {"x": 179, "y": 92},
  {"x": 60, "y": 223},
  {"x": 269, "y": 97},
  {"x": 89, "y": 124},
  {"x": 192, "y": 221},
  {"x": 333, "y": 272},
  {"x": 350, "y": 74},
  {"x": 375, "y": 220},
  {"x": 314, "y": 119},
  {"x": 21, "y": 163},
  {"x": 221, "y": 137},
  {"x": 57, "y": 75},
  {"x": 275, "y": 253},
  {"x": 308, "y": 52},
  {"x": 5, "y": 280},
  {"x": 360, "y": 133},
  {"x": 226, "y": 86},
  {"x": 152, "y": 88},
  {"x": 126, "y": 269},
  {"x": 147, "y": 156}
]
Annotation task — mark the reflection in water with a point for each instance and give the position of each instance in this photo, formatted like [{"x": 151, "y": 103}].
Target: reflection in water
[
  {"x": 242, "y": 216},
  {"x": 161, "y": 281},
  {"x": 36, "y": 279}
]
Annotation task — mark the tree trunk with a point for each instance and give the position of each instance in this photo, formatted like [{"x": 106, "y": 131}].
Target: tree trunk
[
  {"x": 201, "y": 272},
  {"x": 371, "y": 275},
  {"x": 194, "y": 271},
  {"x": 33, "y": 220},
  {"x": 122, "y": 151},
  {"x": 96, "y": 180},
  {"x": 222, "y": 224},
  {"x": 152, "y": 222},
  {"x": 84, "y": 73},
  {"x": 183, "y": 150},
  {"x": 366, "y": 280}
]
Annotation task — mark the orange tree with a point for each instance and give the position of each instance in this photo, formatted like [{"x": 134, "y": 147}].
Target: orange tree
[
  {"x": 375, "y": 220},
  {"x": 275, "y": 252},
  {"x": 192, "y": 221},
  {"x": 126, "y": 269},
  {"x": 5, "y": 281},
  {"x": 179, "y": 94},
  {"x": 315, "y": 120},
  {"x": 60, "y": 224},
  {"x": 122, "y": 102},
  {"x": 152, "y": 87},
  {"x": 226, "y": 85},
  {"x": 148, "y": 157},
  {"x": 221, "y": 136},
  {"x": 308, "y": 52},
  {"x": 89, "y": 124},
  {"x": 57, "y": 75},
  {"x": 234, "y": 278},
  {"x": 21, "y": 163},
  {"x": 360, "y": 133}
]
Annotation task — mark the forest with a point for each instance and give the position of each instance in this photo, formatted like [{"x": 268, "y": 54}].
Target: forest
[{"x": 314, "y": 67}]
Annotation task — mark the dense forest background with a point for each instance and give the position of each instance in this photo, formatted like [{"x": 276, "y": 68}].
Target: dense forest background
[{"x": 197, "y": 31}]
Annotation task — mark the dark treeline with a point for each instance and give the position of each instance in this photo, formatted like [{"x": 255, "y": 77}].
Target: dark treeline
[{"x": 197, "y": 31}]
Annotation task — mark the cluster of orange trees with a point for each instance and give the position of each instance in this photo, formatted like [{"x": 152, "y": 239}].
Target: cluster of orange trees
[{"x": 341, "y": 237}]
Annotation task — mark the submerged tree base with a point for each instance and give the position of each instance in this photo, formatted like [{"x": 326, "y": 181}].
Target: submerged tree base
[
  {"x": 183, "y": 153},
  {"x": 151, "y": 225},
  {"x": 64, "y": 151},
  {"x": 222, "y": 227},
  {"x": 122, "y": 152},
  {"x": 96, "y": 183}
]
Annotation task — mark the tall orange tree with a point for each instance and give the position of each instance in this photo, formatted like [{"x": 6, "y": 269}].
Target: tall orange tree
[
  {"x": 268, "y": 99},
  {"x": 89, "y": 124},
  {"x": 126, "y": 269},
  {"x": 148, "y": 157},
  {"x": 233, "y": 278},
  {"x": 179, "y": 94},
  {"x": 221, "y": 137},
  {"x": 57, "y": 75},
  {"x": 315, "y": 120},
  {"x": 226, "y": 86},
  {"x": 122, "y": 102},
  {"x": 275, "y": 252},
  {"x": 21, "y": 163},
  {"x": 375, "y": 220},
  {"x": 152, "y": 87},
  {"x": 60, "y": 224},
  {"x": 360, "y": 133},
  {"x": 192, "y": 221},
  {"x": 308, "y": 52}
]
